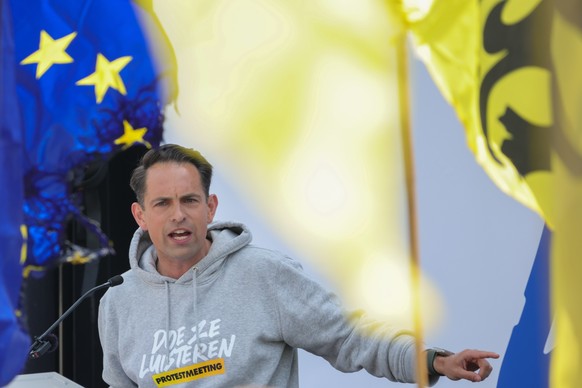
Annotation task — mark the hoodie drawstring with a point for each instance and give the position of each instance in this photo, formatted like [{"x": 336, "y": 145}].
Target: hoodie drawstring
[
  {"x": 194, "y": 298},
  {"x": 168, "y": 309},
  {"x": 167, "y": 284}
]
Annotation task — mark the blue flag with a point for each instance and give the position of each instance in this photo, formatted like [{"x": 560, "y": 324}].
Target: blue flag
[
  {"x": 79, "y": 83},
  {"x": 87, "y": 87},
  {"x": 527, "y": 362},
  {"x": 13, "y": 339}
]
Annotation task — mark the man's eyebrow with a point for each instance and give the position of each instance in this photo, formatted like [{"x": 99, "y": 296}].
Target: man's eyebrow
[
  {"x": 185, "y": 196},
  {"x": 191, "y": 195},
  {"x": 158, "y": 199}
]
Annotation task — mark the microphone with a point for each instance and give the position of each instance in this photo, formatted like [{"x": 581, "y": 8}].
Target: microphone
[{"x": 47, "y": 341}]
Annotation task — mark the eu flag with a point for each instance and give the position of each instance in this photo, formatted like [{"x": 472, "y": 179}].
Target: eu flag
[
  {"x": 13, "y": 339},
  {"x": 79, "y": 83},
  {"x": 87, "y": 87}
]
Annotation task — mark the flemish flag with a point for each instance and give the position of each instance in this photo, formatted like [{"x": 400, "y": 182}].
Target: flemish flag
[
  {"x": 298, "y": 104},
  {"x": 511, "y": 71}
]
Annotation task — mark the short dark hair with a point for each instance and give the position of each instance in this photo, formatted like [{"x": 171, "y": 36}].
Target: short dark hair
[{"x": 165, "y": 154}]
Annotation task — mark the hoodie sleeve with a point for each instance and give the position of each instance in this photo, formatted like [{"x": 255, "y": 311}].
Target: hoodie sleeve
[
  {"x": 312, "y": 318},
  {"x": 113, "y": 373}
]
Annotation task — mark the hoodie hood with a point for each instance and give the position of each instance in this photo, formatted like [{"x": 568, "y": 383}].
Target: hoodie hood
[{"x": 226, "y": 237}]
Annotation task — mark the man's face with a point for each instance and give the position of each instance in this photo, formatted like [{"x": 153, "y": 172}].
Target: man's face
[{"x": 176, "y": 212}]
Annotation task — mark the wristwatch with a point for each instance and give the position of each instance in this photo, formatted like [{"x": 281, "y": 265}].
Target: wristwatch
[{"x": 431, "y": 354}]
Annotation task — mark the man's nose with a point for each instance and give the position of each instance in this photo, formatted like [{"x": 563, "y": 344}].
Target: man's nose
[{"x": 178, "y": 214}]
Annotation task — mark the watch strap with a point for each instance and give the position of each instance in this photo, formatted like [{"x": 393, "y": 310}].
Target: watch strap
[{"x": 431, "y": 354}]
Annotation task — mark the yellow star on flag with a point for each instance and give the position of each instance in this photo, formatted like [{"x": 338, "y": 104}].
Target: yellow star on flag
[
  {"x": 106, "y": 76},
  {"x": 131, "y": 136},
  {"x": 49, "y": 52}
]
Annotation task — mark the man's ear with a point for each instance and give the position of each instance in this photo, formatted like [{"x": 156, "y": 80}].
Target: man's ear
[
  {"x": 137, "y": 212},
  {"x": 212, "y": 205}
]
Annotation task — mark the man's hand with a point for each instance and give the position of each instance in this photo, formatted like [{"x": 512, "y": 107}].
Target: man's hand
[{"x": 469, "y": 365}]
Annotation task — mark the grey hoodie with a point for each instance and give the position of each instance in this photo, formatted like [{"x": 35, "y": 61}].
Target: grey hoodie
[{"x": 235, "y": 319}]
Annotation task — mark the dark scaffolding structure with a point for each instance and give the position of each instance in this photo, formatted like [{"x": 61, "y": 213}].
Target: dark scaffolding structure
[{"x": 107, "y": 198}]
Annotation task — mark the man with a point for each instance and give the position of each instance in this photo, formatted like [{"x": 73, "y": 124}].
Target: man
[{"x": 200, "y": 303}]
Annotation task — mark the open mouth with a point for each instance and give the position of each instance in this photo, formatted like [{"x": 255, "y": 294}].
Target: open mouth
[{"x": 180, "y": 235}]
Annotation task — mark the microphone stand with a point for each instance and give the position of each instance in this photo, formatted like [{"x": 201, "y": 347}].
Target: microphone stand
[{"x": 47, "y": 341}]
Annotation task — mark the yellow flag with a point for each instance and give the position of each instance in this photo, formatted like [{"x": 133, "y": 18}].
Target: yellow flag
[
  {"x": 479, "y": 55},
  {"x": 566, "y": 56},
  {"x": 510, "y": 69},
  {"x": 298, "y": 102}
]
